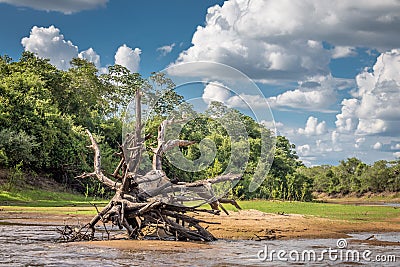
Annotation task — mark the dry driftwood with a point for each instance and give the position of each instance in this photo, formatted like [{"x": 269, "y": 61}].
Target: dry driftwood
[{"x": 150, "y": 204}]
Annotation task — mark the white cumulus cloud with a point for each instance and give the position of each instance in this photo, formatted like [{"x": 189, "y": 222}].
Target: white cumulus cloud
[
  {"x": 166, "y": 49},
  {"x": 375, "y": 107},
  {"x": 395, "y": 147},
  {"x": 313, "y": 127},
  {"x": 66, "y": 7},
  {"x": 91, "y": 56},
  {"x": 347, "y": 120},
  {"x": 283, "y": 39},
  {"x": 377, "y": 146},
  {"x": 216, "y": 91},
  {"x": 335, "y": 137},
  {"x": 343, "y": 51},
  {"x": 50, "y": 43},
  {"x": 303, "y": 150},
  {"x": 317, "y": 94},
  {"x": 128, "y": 57}
]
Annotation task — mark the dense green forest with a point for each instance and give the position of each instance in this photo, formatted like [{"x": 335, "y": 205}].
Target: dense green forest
[{"x": 44, "y": 112}]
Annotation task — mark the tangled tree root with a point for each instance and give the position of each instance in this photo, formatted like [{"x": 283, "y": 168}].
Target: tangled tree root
[{"x": 150, "y": 205}]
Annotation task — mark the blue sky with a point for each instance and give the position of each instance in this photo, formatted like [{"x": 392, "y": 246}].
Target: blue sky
[
  {"x": 330, "y": 70},
  {"x": 143, "y": 24}
]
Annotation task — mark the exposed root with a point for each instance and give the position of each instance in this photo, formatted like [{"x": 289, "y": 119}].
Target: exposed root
[{"x": 150, "y": 205}]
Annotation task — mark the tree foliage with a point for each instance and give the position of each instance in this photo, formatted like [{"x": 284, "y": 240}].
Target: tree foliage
[
  {"x": 354, "y": 176},
  {"x": 44, "y": 112}
]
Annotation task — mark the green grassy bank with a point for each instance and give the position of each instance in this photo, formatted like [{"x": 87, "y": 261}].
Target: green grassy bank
[
  {"x": 326, "y": 210},
  {"x": 45, "y": 201},
  {"x": 44, "y": 198}
]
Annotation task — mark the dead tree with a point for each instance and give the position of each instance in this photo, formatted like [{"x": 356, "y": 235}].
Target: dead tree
[{"x": 151, "y": 204}]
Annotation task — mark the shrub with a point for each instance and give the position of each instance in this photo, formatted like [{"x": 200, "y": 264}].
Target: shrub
[{"x": 16, "y": 147}]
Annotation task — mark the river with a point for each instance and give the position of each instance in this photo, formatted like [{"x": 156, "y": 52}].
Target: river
[{"x": 34, "y": 245}]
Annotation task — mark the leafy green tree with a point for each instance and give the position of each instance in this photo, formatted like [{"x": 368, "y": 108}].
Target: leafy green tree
[
  {"x": 120, "y": 88},
  {"x": 348, "y": 172},
  {"x": 28, "y": 107},
  {"x": 45, "y": 110},
  {"x": 376, "y": 178},
  {"x": 321, "y": 175},
  {"x": 16, "y": 147},
  {"x": 394, "y": 176}
]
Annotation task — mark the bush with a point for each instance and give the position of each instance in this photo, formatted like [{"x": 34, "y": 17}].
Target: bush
[
  {"x": 3, "y": 158},
  {"x": 16, "y": 147},
  {"x": 16, "y": 177}
]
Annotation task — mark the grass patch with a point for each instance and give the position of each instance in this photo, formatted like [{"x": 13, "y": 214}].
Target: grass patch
[
  {"x": 325, "y": 210},
  {"x": 32, "y": 190},
  {"x": 39, "y": 200},
  {"x": 44, "y": 198}
]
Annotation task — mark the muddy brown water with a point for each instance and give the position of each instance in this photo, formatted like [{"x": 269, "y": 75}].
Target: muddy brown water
[{"x": 34, "y": 245}]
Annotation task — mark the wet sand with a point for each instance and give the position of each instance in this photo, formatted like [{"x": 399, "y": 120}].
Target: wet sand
[
  {"x": 245, "y": 224},
  {"x": 251, "y": 224},
  {"x": 147, "y": 245},
  {"x": 257, "y": 225}
]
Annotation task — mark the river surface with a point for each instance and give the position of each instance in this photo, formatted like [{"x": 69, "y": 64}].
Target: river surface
[
  {"x": 34, "y": 245},
  {"x": 395, "y": 205}
]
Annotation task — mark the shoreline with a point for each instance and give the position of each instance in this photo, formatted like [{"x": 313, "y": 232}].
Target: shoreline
[
  {"x": 254, "y": 224},
  {"x": 245, "y": 224},
  {"x": 364, "y": 199}
]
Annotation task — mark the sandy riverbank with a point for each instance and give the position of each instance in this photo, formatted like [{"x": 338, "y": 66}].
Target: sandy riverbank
[{"x": 245, "y": 224}]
